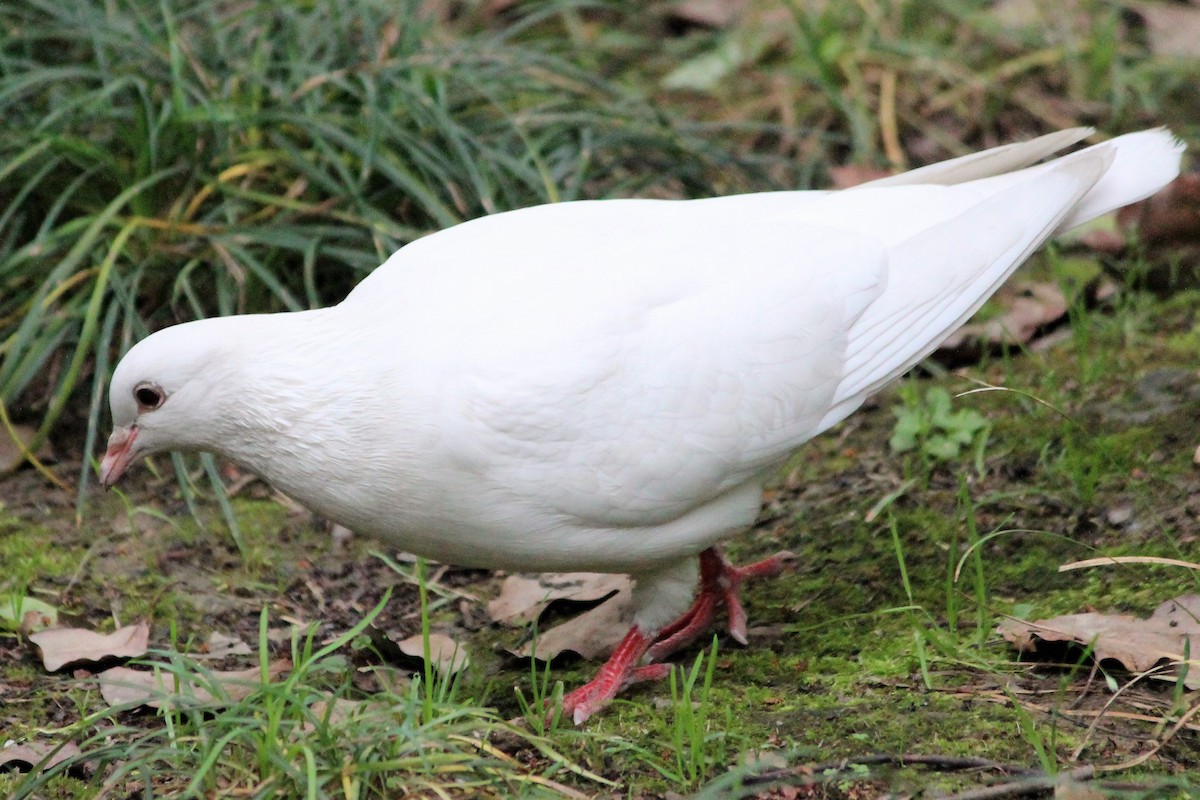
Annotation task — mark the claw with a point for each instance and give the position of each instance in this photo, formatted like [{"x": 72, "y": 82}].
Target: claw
[{"x": 720, "y": 582}]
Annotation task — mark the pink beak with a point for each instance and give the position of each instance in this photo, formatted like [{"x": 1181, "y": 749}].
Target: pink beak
[{"x": 118, "y": 456}]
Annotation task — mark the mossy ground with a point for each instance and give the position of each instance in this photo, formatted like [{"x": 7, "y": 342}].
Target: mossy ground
[{"x": 850, "y": 654}]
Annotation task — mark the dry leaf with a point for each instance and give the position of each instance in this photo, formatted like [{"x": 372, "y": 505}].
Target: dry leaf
[
  {"x": 448, "y": 656},
  {"x": 337, "y": 710},
  {"x": 218, "y": 645},
  {"x": 1068, "y": 789},
  {"x": 593, "y": 634},
  {"x": 1031, "y": 308},
  {"x": 848, "y": 175},
  {"x": 122, "y": 685},
  {"x": 1172, "y": 29},
  {"x": 12, "y": 457},
  {"x": 1167, "y": 228},
  {"x": 63, "y": 646},
  {"x": 1170, "y": 216},
  {"x": 523, "y": 599},
  {"x": 26, "y": 756},
  {"x": 1137, "y": 643}
]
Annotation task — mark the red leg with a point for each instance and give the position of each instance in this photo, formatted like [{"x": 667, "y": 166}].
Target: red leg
[
  {"x": 720, "y": 582},
  {"x": 622, "y": 669}
]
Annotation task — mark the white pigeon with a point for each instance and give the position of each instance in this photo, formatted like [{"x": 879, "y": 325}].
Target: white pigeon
[{"x": 606, "y": 385}]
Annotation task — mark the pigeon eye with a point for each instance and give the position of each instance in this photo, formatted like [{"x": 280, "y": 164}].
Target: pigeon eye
[{"x": 148, "y": 396}]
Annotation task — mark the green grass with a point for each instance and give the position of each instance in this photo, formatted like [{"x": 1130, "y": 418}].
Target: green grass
[
  {"x": 166, "y": 161},
  {"x": 276, "y": 742}
]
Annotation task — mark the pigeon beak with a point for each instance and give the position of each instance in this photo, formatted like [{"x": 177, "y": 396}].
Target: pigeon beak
[{"x": 118, "y": 456}]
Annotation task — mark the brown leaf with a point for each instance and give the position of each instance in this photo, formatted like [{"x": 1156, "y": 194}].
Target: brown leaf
[
  {"x": 11, "y": 455},
  {"x": 593, "y": 634},
  {"x": 848, "y": 175},
  {"x": 1031, "y": 308},
  {"x": 523, "y": 599},
  {"x": 1167, "y": 227},
  {"x": 338, "y": 710},
  {"x": 1172, "y": 29},
  {"x": 218, "y": 645},
  {"x": 1171, "y": 216},
  {"x": 1137, "y": 643},
  {"x": 26, "y": 756},
  {"x": 1068, "y": 789},
  {"x": 448, "y": 656},
  {"x": 122, "y": 685},
  {"x": 63, "y": 646}
]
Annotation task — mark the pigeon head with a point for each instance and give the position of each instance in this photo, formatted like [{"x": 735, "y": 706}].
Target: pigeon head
[{"x": 163, "y": 394}]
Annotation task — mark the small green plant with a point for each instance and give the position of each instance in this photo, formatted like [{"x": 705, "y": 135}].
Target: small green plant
[
  {"x": 697, "y": 749},
  {"x": 932, "y": 429},
  {"x": 309, "y": 734},
  {"x": 543, "y": 709}
]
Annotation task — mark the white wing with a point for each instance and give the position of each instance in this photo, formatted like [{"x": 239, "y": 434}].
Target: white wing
[{"x": 620, "y": 363}]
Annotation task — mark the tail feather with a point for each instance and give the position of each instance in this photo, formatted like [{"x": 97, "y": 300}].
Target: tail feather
[
  {"x": 933, "y": 287},
  {"x": 1145, "y": 162},
  {"x": 985, "y": 164}
]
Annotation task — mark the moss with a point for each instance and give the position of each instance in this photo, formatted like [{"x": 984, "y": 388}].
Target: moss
[{"x": 25, "y": 554}]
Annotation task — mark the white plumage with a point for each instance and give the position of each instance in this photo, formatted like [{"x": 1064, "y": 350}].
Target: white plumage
[{"x": 606, "y": 385}]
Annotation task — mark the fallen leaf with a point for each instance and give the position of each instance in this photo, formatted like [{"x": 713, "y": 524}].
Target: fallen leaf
[
  {"x": 1167, "y": 230},
  {"x": 1172, "y": 29},
  {"x": 1170, "y": 216},
  {"x": 449, "y": 657},
  {"x": 1136, "y": 643},
  {"x": 593, "y": 634},
  {"x": 63, "y": 646},
  {"x": 762, "y": 760},
  {"x": 11, "y": 454},
  {"x": 1030, "y": 309},
  {"x": 26, "y": 756},
  {"x": 296, "y": 631},
  {"x": 1069, "y": 789},
  {"x": 218, "y": 645},
  {"x": 523, "y": 599},
  {"x": 337, "y": 710},
  {"x": 122, "y": 685},
  {"x": 847, "y": 175}
]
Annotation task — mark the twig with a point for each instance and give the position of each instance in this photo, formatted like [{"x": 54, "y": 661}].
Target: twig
[
  {"x": 1031, "y": 785},
  {"x": 1146, "y": 756},
  {"x": 888, "y": 128},
  {"x": 1110, "y": 560},
  {"x": 812, "y": 773}
]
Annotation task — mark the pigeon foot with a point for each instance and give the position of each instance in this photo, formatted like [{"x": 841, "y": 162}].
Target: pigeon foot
[
  {"x": 720, "y": 582},
  {"x": 621, "y": 670}
]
